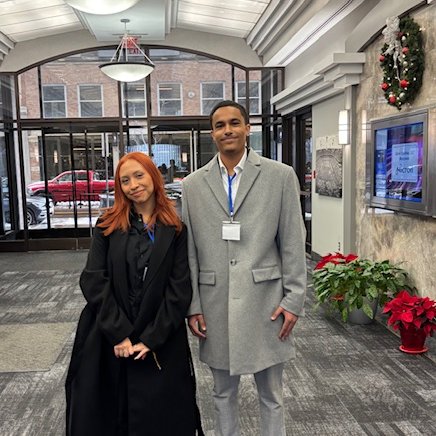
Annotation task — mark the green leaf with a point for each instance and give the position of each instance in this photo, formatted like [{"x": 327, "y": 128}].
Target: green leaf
[
  {"x": 372, "y": 292},
  {"x": 368, "y": 310},
  {"x": 344, "y": 314}
]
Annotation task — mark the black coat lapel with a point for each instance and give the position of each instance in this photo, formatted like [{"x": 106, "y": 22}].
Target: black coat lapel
[{"x": 163, "y": 237}]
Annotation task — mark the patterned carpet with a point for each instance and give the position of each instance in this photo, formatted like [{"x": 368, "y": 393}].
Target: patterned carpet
[
  {"x": 346, "y": 380},
  {"x": 32, "y": 347}
]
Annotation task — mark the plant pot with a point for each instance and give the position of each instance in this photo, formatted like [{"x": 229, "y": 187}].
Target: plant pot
[
  {"x": 358, "y": 316},
  {"x": 413, "y": 340}
]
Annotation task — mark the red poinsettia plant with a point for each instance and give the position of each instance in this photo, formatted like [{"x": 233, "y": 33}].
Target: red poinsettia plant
[
  {"x": 411, "y": 311},
  {"x": 335, "y": 258}
]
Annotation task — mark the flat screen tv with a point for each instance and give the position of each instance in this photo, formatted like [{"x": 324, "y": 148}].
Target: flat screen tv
[{"x": 399, "y": 164}]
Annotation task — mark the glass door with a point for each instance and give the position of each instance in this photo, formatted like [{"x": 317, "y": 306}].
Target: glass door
[
  {"x": 304, "y": 170},
  {"x": 180, "y": 152},
  {"x": 74, "y": 176},
  {"x": 5, "y": 198},
  {"x": 173, "y": 153},
  {"x": 206, "y": 148}
]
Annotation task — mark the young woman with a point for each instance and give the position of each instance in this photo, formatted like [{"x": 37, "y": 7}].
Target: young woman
[{"x": 131, "y": 371}]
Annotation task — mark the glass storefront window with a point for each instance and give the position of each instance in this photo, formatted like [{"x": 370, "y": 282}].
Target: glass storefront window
[
  {"x": 172, "y": 154},
  {"x": 207, "y": 148},
  {"x": 254, "y": 95},
  {"x": 4, "y": 191},
  {"x": 256, "y": 138},
  {"x": 134, "y": 99},
  {"x": 138, "y": 139},
  {"x": 255, "y": 91},
  {"x": 68, "y": 173},
  {"x": 183, "y": 88},
  {"x": 29, "y": 94},
  {"x": 87, "y": 91},
  {"x": 189, "y": 71},
  {"x": 255, "y": 104}
]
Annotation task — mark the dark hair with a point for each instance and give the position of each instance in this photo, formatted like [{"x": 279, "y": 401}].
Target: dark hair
[
  {"x": 118, "y": 216},
  {"x": 226, "y": 103}
]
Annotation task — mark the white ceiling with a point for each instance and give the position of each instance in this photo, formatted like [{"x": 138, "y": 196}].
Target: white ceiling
[
  {"x": 22, "y": 20},
  {"x": 227, "y": 17},
  {"x": 261, "y": 23}
]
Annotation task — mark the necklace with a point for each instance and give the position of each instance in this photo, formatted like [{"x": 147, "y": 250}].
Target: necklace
[{"x": 145, "y": 220}]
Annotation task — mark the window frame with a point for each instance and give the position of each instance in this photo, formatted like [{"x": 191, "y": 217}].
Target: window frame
[
  {"x": 79, "y": 101},
  {"x": 124, "y": 99},
  {"x": 202, "y": 99},
  {"x": 46, "y": 85},
  {"x": 170, "y": 99},
  {"x": 259, "y": 97}
]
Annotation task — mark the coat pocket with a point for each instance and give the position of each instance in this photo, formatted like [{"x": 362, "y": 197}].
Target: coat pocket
[
  {"x": 264, "y": 274},
  {"x": 206, "y": 278}
]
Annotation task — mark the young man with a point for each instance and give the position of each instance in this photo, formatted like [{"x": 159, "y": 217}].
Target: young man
[{"x": 247, "y": 258}]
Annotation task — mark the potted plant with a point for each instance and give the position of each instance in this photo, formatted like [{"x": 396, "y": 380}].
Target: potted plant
[
  {"x": 352, "y": 285},
  {"x": 414, "y": 317}
]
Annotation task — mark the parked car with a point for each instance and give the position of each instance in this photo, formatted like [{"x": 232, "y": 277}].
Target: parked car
[
  {"x": 69, "y": 185},
  {"x": 35, "y": 210},
  {"x": 174, "y": 190}
]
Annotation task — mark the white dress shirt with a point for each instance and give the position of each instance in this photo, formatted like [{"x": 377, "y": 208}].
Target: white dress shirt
[{"x": 225, "y": 175}]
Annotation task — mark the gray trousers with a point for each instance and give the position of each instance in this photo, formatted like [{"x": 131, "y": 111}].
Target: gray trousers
[{"x": 270, "y": 391}]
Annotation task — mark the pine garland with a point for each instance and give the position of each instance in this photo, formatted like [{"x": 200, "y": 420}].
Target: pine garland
[{"x": 403, "y": 79}]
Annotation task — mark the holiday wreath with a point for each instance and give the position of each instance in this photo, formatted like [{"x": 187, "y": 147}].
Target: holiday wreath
[{"x": 402, "y": 60}]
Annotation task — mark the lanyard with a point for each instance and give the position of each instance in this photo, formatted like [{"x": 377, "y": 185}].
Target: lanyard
[
  {"x": 230, "y": 179},
  {"x": 150, "y": 232}
]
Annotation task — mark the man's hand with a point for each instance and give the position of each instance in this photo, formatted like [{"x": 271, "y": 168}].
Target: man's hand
[
  {"x": 288, "y": 323},
  {"x": 197, "y": 325},
  {"x": 124, "y": 348}
]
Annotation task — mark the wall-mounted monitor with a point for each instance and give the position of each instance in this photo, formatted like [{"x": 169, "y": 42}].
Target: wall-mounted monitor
[{"x": 400, "y": 164}]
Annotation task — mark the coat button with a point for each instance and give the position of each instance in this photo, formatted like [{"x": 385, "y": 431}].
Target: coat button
[{"x": 233, "y": 262}]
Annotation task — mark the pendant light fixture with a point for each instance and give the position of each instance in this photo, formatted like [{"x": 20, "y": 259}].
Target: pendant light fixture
[
  {"x": 122, "y": 68},
  {"x": 101, "y": 7}
]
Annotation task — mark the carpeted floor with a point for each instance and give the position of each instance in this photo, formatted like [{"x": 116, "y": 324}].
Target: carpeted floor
[
  {"x": 346, "y": 380},
  {"x": 32, "y": 347}
]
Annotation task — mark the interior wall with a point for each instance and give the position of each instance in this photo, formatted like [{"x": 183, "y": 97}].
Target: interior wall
[
  {"x": 327, "y": 212},
  {"x": 398, "y": 237},
  {"x": 333, "y": 41},
  {"x": 376, "y": 19}
]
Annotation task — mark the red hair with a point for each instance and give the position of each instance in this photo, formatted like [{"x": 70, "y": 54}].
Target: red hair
[{"x": 118, "y": 216}]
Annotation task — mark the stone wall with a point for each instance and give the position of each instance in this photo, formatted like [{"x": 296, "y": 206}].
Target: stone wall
[{"x": 398, "y": 237}]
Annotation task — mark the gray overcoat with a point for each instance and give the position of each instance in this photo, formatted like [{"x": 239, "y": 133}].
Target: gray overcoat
[{"x": 237, "y": 285}]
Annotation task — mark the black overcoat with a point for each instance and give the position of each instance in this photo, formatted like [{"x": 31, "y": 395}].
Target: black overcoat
[{"x": 157, "y": 401}]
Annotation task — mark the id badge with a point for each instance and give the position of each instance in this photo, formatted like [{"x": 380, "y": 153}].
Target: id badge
[{"x": 231, "y": 230}]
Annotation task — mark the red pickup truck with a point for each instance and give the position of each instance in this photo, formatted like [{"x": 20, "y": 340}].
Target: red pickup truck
[{"x": 79, "y": 185}]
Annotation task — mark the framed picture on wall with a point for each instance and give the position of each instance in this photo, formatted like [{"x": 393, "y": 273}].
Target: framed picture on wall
[{"x": 328, "y": 179}]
